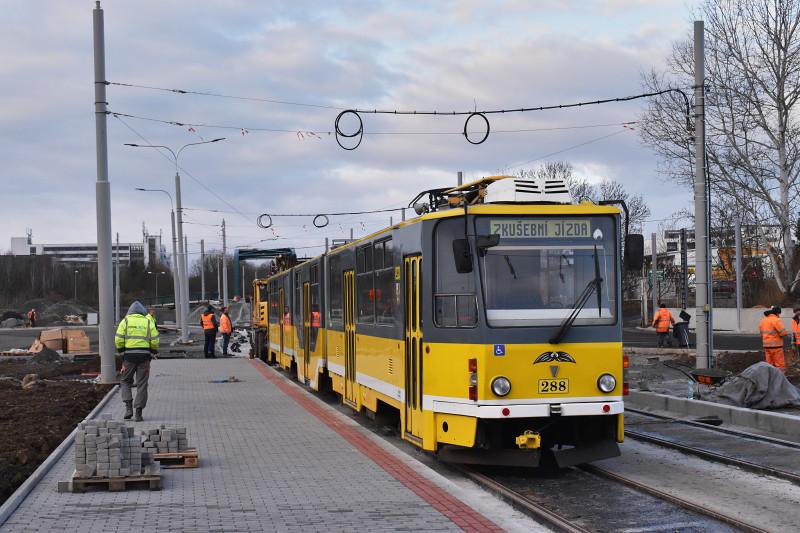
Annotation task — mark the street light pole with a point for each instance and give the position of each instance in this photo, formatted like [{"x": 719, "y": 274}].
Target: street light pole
[
  {"x": 175, "y": 270},
  {"x": 105, "y": 289},
  {"x": 182, "y": 257},
  {"x": 75, "y": 288}
]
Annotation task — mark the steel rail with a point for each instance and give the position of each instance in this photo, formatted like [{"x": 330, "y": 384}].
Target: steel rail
[
  {"x": 523, "y": 503},
  {"x": 743, "y": 434},
  {"x": 716, "y": 457},
  {"x": 680, "y": 502}
]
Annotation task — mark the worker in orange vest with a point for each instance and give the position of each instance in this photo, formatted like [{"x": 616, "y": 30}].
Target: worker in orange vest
[
  {"x": 662, "y": 321},
  {"x": 316, "y": 323},
  {"x": 772, "y": 334},
  {"x": 209, "y": 322},
  {"x": 796, "y": 331},
  {"x": 226, "y": 328},
  {"x": 32, "y": 316}
]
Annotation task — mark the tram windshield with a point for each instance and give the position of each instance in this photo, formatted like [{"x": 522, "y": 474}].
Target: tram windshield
[{"x": 541, "y": 266}]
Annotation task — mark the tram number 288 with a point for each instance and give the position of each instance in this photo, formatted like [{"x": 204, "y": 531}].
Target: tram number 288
[{"x": 553, "y": 386}]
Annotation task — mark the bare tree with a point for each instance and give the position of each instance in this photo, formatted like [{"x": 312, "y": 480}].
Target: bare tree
[
  {"x": 752, "y": 135},
  {"x": 582, "y": 189}
]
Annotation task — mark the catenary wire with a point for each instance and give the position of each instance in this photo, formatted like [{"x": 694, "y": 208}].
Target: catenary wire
[
  {"x": 203, "y": 185},
  {"x": 248, "y": 129}
]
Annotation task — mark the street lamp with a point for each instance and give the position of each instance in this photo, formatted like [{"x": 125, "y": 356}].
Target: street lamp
[
  {"x": 75, "y": 288},
  {"x": 176, "y": 275},
  {"x": 182, "y": 256},
  {"x": 156, "y": 274}
]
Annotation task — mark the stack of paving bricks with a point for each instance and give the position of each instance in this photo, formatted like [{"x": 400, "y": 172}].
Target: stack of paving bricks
[
  {"x": 109, "y": 449},
  {"x": 165, "y": 439}
]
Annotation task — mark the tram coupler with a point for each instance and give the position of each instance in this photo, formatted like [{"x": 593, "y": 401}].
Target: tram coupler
[{"x": 529, "y": 440}]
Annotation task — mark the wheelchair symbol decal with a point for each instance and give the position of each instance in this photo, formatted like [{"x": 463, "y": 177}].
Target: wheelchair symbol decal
[{"x": 499, "y": 349}]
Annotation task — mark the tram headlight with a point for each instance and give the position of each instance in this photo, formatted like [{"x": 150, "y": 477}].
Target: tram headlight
[
  {"x": 501, "y": 386},
  {"x": 606, "y": 383}
]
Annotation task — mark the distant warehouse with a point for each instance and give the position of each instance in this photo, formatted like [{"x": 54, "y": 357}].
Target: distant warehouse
[{"x": 150, "y": 251}]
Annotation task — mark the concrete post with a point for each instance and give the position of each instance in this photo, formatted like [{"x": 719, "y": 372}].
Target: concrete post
[
  {"x": 176, "y": 275},
  {"x": 184, "y": 297},
  {"x": 737, "y": 227},
  {"x": 202, "y": 270},
  {"x": 653, "y": 272},
  {"x": 403, "y": 214},
  {"x": 105, "y": 289},
  {"x": 224, "y": 267},
  {"x": 116, "y": 284},
  {"x": 684, "y": 270},
  {"x": 460, "y": 178},
  {"x": 704, "y": 351}
]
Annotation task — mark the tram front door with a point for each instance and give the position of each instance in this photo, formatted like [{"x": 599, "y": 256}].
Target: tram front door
[
  {"x": 350, "y": 384},
  {"x": 413, "y": 348},
  {"x": 306, "y": 330}
]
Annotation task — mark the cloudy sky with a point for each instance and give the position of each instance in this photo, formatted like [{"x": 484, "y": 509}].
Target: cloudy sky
[{"x": 444, "y": 55}]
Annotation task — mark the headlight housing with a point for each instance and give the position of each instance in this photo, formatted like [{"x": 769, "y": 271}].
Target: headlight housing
[
  {"x": 501, "y": 386},
  {"x": 606, "y": 383}
]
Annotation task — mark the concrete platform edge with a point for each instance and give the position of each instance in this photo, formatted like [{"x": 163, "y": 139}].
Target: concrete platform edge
[
  {"x": 765, "y": 421},
  {"x": 19, "y": 495},
  {"x": 471, "y": 494}
]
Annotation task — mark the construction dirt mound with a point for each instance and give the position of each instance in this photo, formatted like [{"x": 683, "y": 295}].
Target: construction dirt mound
[
  {"x": 35, "y": 421},
  {"x": 52, "y": 313}
]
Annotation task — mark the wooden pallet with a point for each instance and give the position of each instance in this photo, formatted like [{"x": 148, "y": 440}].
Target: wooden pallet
[
  {"x": 184, "y": 459},
  {"x": 116, "y": 484}
]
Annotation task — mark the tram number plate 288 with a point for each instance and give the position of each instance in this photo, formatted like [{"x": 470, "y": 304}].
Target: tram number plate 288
[{"x": 553, "y": 386}]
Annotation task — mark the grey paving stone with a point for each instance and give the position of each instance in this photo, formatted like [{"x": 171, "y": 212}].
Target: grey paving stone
[{"x": 266, "y": 464}]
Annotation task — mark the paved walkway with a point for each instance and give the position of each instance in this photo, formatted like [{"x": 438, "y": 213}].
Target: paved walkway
[{"x": 268, "y": 463}]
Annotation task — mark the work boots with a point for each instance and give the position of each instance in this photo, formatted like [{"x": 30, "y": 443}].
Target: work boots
[
  {"x": 138, "y": 416},
  {"x": 128, "y": 410}
]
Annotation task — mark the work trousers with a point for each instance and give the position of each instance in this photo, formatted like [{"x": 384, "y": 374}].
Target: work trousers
[
  {"x": 774, "y": 356},
  {"x": 226, "y": 338},
  {"x": 664, "y": 336},
  {"x": 142, "y": 373},
  {"x": 210, "y": 338}
]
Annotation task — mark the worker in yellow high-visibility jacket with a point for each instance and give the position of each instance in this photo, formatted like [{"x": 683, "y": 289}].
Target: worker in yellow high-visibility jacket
[{"x": 137, "y": 340}]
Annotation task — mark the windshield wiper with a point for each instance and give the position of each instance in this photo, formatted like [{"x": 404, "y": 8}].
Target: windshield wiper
[{"x": 595, "y": 286}]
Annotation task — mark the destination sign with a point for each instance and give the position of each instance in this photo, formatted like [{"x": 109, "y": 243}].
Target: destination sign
[{"x": 541, "y": 228}]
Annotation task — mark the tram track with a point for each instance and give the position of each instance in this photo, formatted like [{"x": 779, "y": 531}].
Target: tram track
[
  {"x": 523, "y": 503},
  {"x": 523, "y": 497},
  {"x": 683, "y": 503},
  {"x": 716, "y": 456}
]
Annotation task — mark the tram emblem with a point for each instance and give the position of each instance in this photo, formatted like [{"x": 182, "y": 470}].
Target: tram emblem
[{"x": 554, "y": 357}]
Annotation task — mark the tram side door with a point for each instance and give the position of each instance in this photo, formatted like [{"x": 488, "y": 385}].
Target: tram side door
[
  {"x": 350, "y": 385},
  {"x": 281, "y": 321},
  {"x": 413, "y": 347},
  {"x": 306, "y": 329}
]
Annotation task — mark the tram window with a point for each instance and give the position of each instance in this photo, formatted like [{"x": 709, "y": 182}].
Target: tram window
[
  {"x": 378, "y": 255},
  {"x": 388, "y": 260},
  {"x": 384, "y": 296},
  {"x": 536, "y": 281},
  {"x": 455, "y": 293},
  {"x": 364, "y": 259},
  {"x": 314, "y": 274},
  {"x": 366, "y": 298},
  {"x": 335, "y": 288}
]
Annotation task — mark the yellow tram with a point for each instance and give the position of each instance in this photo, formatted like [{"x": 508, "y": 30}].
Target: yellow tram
[{"x": 489, "y": 326}]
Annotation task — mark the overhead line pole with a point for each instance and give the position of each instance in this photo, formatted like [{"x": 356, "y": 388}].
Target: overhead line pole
[
  {"x": 202, "y": 271},
  {"x": 224, "y": 267},
  {"x": 704, "y": 346},
  {"x": 116, "y": 284},
  {"x": 105, "y": 289}
]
